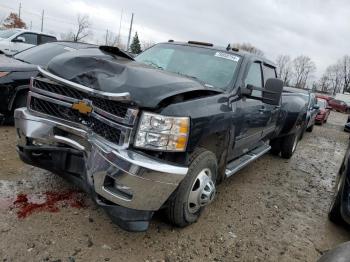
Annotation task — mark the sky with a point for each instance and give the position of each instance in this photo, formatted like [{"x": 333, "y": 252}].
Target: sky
[{"x": 319, "y": 29}]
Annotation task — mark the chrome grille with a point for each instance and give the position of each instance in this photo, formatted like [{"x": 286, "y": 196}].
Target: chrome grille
[
  {"x": 112, "y": 120},
  {"x": 113, "y": 107}
]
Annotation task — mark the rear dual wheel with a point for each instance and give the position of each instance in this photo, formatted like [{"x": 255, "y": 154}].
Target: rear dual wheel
[
  {"x": 285, "y": 145},
  {"x": 196, "y": 191}
]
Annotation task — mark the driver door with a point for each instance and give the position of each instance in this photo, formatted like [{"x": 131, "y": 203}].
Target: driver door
[{"x": 252, "y": 121}]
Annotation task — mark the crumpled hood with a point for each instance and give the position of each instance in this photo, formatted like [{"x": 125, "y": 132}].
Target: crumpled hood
[
  {"x": 101, "y": 71},
  {"x": 9, "y": 64}
]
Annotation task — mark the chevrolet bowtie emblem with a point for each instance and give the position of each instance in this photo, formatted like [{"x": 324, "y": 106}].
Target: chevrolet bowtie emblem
[{"x": 84, "y": 107}]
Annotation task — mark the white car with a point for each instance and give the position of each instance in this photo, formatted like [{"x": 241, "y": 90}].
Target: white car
[{"x": 13, "y": 41}]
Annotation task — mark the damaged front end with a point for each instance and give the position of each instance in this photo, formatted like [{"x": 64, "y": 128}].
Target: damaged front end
[{"x": 84, "y": 135}]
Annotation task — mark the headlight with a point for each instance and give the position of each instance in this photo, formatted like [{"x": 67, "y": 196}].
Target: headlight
[{"x": 162, "y": 133}]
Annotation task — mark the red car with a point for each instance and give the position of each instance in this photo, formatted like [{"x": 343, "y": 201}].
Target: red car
[
  {"x": 325, "y": 97},
  {"x": 338, "y": 105},
  {"x": 324, "y": 111}
]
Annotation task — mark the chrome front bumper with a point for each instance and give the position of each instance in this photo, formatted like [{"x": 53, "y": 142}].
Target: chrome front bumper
[{"x": 122, "y": 176}]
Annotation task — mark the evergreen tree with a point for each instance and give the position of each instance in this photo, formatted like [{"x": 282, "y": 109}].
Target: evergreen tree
[{"x": 135, "y": 46}]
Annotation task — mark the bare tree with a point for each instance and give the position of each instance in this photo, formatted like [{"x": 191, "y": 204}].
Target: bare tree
[
  {"x": 303, "y": 68},
  {"x": 147, "y": 44},
  {"x": 82, "y": 31},
  {"x": 332, "y": 79},
  {"x": 249, "y": 48},
  {"x": 323, "y": 84},
  {"x": 111, "y": 39},
  {"x": 284, "y": 68},
  {"x": 83, "y": 28},
  {"x": 344, "y": 64}
]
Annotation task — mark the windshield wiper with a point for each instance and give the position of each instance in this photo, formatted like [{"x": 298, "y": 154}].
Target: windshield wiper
[
  {"x": 199, "y": 80},
  {"x": 21, "y": 60},
  {"x": 193, "y": 77},
  {"x": 151, "y": 63}
]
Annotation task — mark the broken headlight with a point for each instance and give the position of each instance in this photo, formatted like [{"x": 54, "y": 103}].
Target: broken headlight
[{"x": 162, "y": 133}]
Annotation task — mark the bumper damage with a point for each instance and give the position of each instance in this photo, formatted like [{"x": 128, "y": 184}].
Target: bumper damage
[{"x": 128, "y": 185}]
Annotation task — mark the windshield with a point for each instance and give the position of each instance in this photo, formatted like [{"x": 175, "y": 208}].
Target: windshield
[
  {"x": 8, "y": 33},
  {"x": 321, "y": 103},
  {"x": 42, "y": 54},
  {"x": 211, "y": 67}
]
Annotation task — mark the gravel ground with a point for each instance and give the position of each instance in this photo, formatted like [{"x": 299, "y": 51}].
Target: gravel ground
[{"x": 273, "y": 210}]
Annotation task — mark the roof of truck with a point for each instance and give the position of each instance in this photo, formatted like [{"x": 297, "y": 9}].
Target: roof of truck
[{"x": 223, "y": 49}]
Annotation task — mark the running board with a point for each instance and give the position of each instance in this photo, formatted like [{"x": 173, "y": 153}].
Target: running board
[{"x": 236, "y": 165}]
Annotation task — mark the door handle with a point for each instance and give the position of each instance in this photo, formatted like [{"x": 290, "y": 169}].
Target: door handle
[{"x": 262, "y": 110}]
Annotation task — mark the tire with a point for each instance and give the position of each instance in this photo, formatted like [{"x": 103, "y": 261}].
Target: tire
[
  {"x": 21, "y": 101},
  {"x": 289, "y": 144},
  {"x": 275, "y": 146},
  {"x": 310, "y": 128},
  {"x": 334, "y": 213},
  {"x": 181, "y": 211},
  {"x": 302, "y": 132}
]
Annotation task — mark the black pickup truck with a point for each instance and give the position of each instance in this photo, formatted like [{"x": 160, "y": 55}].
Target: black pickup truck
[{"x": 157, "y": 131}]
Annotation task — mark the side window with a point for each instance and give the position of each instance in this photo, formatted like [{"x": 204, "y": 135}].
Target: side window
[
  {"x": 46, "y": 39},
  {"x": 254, "y": 77},
  {"x": 30, "y": 38},
  {"x": 269, "y": 72}
]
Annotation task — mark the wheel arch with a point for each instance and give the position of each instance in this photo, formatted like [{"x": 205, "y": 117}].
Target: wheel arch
[{"x": 19, "y": 90}]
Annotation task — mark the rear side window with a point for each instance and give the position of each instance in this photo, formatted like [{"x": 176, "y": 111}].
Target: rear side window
[
  {"x": 47, "y": 39},
  {"x": 30, "y": 38},
  {"x": 269, "y": 72},
  {"x": 254, "y": 77}
]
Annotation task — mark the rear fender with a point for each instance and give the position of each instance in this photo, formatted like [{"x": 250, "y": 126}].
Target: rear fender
[{"x": 292, "y": 115}]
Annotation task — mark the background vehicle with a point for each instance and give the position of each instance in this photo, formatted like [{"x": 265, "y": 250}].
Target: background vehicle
[
  {"x": 16, "y": 71},
  {"x": 347, "y": 125},
  {"x": 339, "y": 211},
  {"x": 13, "y": 41},
  {"x": 338, "y": 105},
  {"x": 324, "y": 111},
  {"x": 311, "y": 106},
  {"x": 158, "y": 132},
  {"x": 325, "y": 97},
  {"x": 340, "y": 253}
]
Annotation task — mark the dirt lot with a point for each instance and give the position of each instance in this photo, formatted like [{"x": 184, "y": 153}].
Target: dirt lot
[{"x": 273, "y": 210}]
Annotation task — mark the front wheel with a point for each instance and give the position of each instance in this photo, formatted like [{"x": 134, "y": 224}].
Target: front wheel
[
  {"x": 334, "y": 213},
  {"x": 310, "y": 128},
  {"x": 196, "y": 191},
  {"x": 289, "y": 144}
]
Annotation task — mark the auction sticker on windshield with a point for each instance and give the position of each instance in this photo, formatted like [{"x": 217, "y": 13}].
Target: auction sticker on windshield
[{"x": 227, "y": 56}]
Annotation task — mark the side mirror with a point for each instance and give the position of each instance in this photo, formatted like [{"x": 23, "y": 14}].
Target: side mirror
[
  {"x": 272, "y": 92},
  {"x": 19, "y": 39},
  {"x": 316, "y": 106}
]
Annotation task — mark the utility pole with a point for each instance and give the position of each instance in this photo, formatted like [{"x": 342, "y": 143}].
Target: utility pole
[
  {"x": 120, "y": 27},
  {"x": 42, "y": 20},
  {"x": 31, "y": 25},
  {"x": 106, "y": 36},
  {"x": 19, "y": 10},
  {"x": 130, "y": 29}
]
